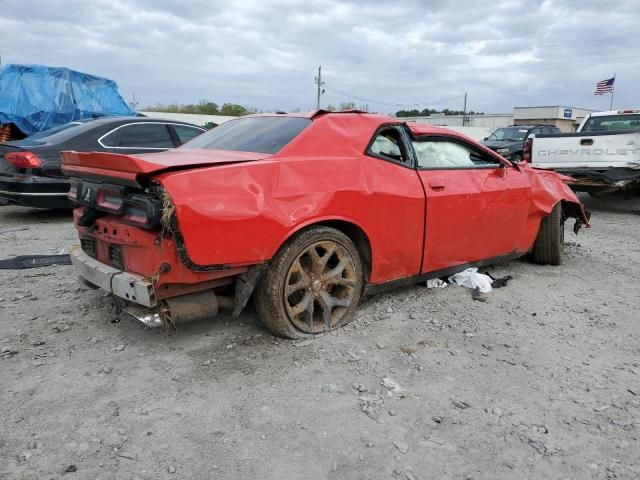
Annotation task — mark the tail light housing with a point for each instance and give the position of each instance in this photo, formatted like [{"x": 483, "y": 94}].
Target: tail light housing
[
  {"x": 23, "y": 159},
  {"x": 137, "y": 209},
  {"x": 526, "y": 152}
]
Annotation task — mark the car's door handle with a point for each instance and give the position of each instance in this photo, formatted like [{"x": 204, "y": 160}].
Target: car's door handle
[
  {"x": 586, "y": 141},
  {"x": 437, "y": 186}
]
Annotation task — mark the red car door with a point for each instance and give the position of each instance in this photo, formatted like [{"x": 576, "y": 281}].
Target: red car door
[{"x": 477, "y": 208}]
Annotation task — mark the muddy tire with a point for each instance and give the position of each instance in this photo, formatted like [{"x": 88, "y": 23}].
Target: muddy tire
[
  {"x": 549, "y": 245},
  {"x": 312, "y": 285}
]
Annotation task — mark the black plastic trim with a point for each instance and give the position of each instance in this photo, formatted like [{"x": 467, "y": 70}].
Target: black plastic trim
[{"x": 374, "y": 289}]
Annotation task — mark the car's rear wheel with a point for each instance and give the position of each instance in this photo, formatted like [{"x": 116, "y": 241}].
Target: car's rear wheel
[
  {"x": 549, "y": 245},
  {"x": 516, "y": 158},
  {"x": 312, "y": 285}
]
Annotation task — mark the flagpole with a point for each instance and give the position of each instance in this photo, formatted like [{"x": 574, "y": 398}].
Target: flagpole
[{"x": 613, "y": 87}]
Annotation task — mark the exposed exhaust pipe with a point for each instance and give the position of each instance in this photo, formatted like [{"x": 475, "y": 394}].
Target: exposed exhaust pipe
[{"x": 181, "y": 309}]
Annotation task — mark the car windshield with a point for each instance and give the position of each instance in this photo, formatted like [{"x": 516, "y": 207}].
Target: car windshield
[
  {"x": 252, "y": 134},
  {"x": 509, "y": 134},
  {"x": 612, "y": 122}
]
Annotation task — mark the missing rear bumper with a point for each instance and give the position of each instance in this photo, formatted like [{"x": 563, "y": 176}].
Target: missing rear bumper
[{"x": 127, "y": 286}]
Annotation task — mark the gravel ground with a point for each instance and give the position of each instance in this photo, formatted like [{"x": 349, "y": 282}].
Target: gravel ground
[{"x": 540, "y": 382}]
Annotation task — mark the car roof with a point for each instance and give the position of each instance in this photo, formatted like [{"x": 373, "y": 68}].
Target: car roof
[
  {"x": 374, "y": 118},
  {"x": 628, "y": 111},
  {"x": 357, "y": 137},
  {"x": 536, "y": 125},
  {"x": 87, "y": 126},
  {"x": 136, "y": 119},
  {"x": 319, "y": 113}
]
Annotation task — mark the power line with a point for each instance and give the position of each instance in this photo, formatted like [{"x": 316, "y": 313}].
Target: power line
[
  {"x": 465, "y": 70},
  {"x": 392, "y": 104}
]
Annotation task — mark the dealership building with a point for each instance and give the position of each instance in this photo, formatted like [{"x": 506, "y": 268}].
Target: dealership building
[{"x": 566, "y": 119}]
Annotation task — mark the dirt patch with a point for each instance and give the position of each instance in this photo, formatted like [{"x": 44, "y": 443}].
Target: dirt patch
[{"x": 541, "y": 381}]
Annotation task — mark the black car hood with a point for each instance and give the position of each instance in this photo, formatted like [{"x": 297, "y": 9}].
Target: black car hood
[{"x": 495, "y": 144}]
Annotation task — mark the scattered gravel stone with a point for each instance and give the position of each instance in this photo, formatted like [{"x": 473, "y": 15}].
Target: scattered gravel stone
[
  {"x": 402, "y": 446},
  {"x": 461, "y": 404}
]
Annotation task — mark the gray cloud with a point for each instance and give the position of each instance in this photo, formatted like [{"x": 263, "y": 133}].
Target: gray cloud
[{"x": 265, "y": 53}]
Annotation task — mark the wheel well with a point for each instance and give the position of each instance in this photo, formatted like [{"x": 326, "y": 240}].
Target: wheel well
[{"x": 358, "y": 237}]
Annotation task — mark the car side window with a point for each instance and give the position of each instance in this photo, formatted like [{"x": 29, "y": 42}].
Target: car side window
[
  {"x": 110, "y": 140},
  {"x": 186, "y": 133},
  {"x": 443, "y": 154},
  {"x": 388, "y": 145},
  {"x": 145, "y": 135}
]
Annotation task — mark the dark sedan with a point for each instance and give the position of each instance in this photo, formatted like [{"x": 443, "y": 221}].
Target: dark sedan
[
  {"x": 30, "y": 168},
  {"x": 509, "y": 141}
]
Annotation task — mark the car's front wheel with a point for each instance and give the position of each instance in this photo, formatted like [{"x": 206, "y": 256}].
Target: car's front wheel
[
  {"x": 312, "y": 285},
  {"x": 549, "y": 245}
]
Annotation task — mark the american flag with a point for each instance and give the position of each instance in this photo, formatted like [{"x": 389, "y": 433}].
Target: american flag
[{"x": 605, "y": 86}]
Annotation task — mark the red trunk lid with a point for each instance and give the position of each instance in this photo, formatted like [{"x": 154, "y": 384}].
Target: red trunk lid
[{"x": 128, "y": 167}]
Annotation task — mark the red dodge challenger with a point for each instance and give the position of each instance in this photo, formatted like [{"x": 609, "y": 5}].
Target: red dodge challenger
[{"x": 306, "y": 213}]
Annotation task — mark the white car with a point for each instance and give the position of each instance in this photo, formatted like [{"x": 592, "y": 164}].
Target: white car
[{"x": 602, "y": 156}]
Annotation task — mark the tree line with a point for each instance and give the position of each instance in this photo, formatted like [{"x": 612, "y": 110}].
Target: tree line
[
  {"x": 204, "y": 107},
  {"x": 430, "y": 111}
]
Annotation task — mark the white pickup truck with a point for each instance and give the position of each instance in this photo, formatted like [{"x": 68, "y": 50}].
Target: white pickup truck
[{"x": 602, "y": 156}]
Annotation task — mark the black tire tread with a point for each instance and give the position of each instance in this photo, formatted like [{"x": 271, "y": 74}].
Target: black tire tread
[{"x": 549, "y": 245}]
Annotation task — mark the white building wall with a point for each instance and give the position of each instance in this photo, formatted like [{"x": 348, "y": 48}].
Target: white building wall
[
  {"x": 189, "y": 117},
  {"x": 558, "y": 112},
  {"x": 489, "y": 122}
]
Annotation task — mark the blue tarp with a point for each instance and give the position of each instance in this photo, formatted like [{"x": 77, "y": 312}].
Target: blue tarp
[{"x": 37, "y": 97}]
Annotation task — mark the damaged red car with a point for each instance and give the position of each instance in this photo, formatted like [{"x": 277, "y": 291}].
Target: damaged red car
[{"x": 306, "y": 213}]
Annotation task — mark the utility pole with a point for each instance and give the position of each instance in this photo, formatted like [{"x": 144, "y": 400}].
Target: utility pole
[
  {"x": 133, "y": 103},
  {"x": 319, "y": 82},
  {"x": 464, "y": 111}
]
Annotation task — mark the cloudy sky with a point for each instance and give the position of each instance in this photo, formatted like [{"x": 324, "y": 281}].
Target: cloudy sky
[{"x": 387, "y": 54}]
